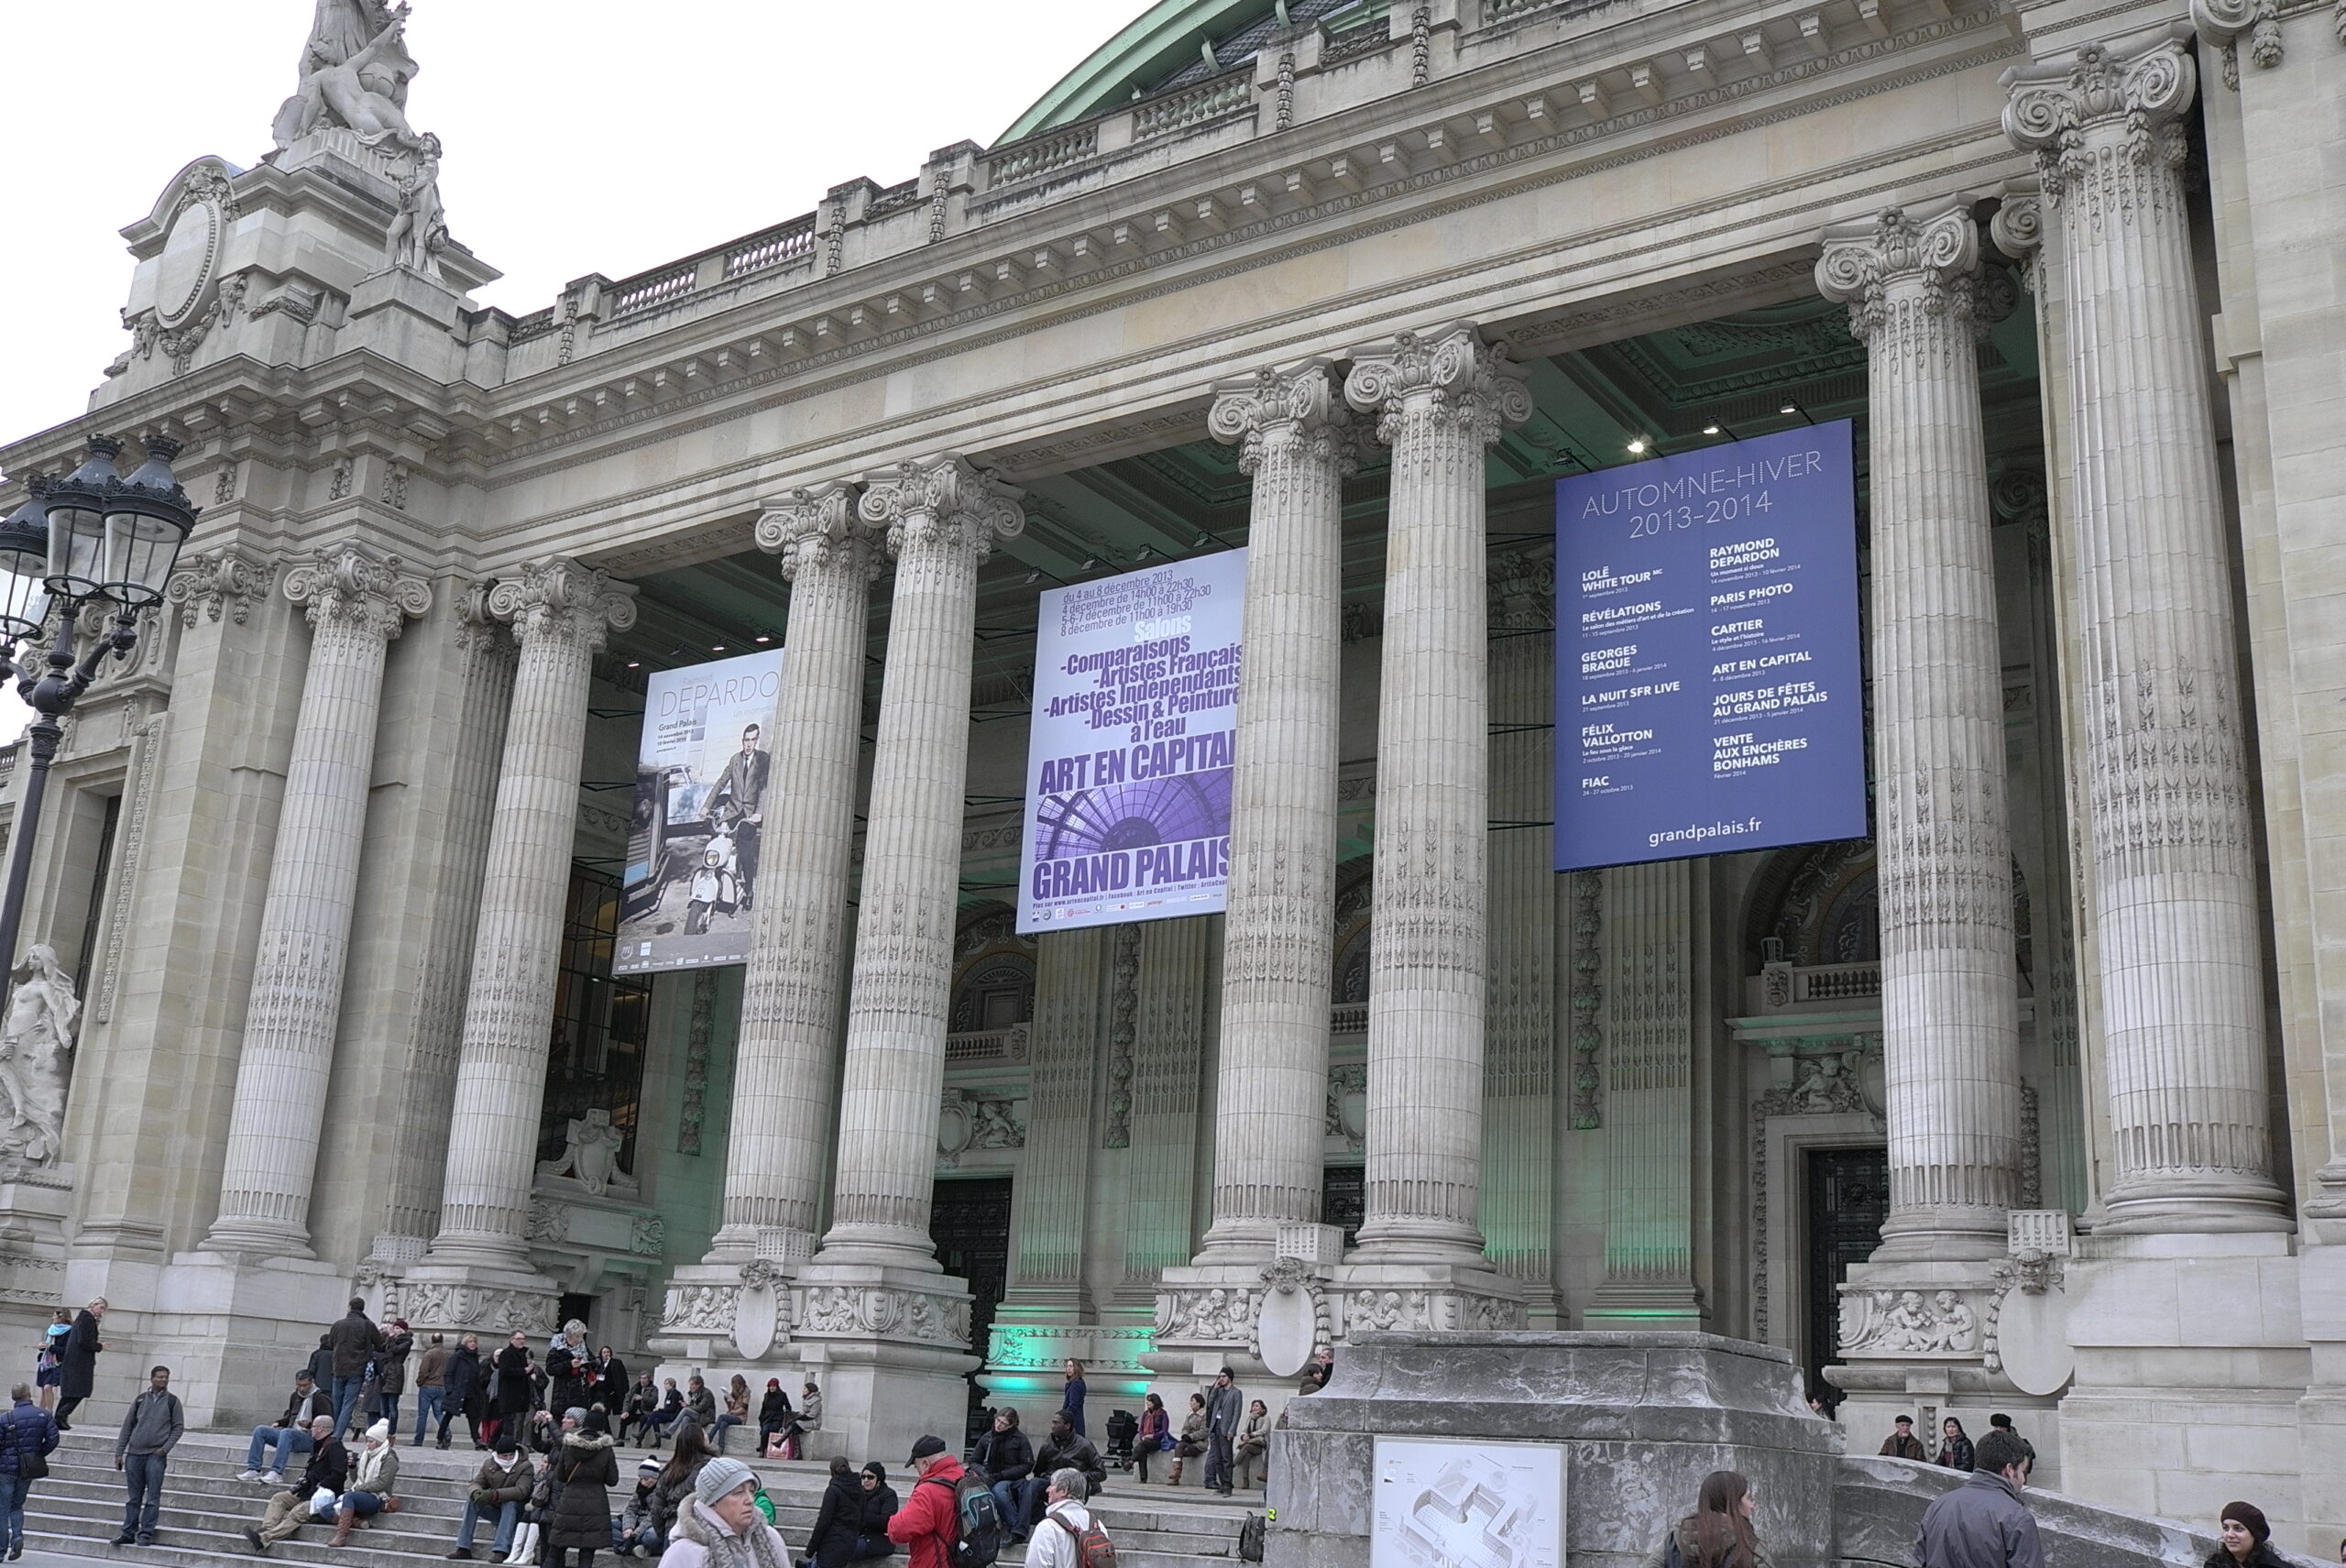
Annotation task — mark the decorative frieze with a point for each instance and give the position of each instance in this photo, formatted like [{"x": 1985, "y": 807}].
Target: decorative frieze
[{"x": 877, "y": 1312}]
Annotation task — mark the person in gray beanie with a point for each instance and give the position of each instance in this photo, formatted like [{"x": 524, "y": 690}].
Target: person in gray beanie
[{"x": 719, "y": 1525}]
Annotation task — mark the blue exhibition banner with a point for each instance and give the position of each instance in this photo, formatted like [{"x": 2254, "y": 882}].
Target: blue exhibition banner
[
  {"x": 1709, "y": 694},
  {"x": 1129, "y": 756}
]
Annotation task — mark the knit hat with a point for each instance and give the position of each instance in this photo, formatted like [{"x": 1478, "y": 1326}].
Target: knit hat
[
  {"x": 649, "y": 1467},
  {"x": 720, "y": 1477},
  {"x": 2250, "y": 1514},
  {"x": 924, "y": 1447},
  {"x": 381, "y": 1432},
  {"x": 505, "y": 1442}
]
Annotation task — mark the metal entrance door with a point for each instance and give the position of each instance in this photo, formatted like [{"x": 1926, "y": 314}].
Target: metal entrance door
[
  {"x": 1849, "y": 1198},
  {"x": 970, "y": 1223}
]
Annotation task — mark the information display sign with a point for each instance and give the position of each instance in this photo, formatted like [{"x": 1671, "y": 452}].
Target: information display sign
[
  {"x": 701, "y": 777},
  {"x": 1129, "y": 756},
  {"x": 1709, "y": 694}
]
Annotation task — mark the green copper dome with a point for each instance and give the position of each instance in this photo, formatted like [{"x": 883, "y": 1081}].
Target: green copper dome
[{"x": 1171, "y": 43}]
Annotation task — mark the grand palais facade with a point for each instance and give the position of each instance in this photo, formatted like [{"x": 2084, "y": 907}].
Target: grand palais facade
[{"x": 2030, "y": 1101}]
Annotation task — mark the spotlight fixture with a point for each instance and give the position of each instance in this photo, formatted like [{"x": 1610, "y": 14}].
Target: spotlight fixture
[
  {"x": 1144, "y": 551},
  {"x": 1203, "y": 540},
  {"x": 1034, "y": 578},
  {"x": 1638, "y": 447},
  {"x": 1088, "y": 561},
  {"x": 1710, "y": 430},
  {"x": 765, "y": 636},
  {"x": 717, "y": 647},
  {"x": 1788, "y": 408},
  {"x": 635, "y": 664}
]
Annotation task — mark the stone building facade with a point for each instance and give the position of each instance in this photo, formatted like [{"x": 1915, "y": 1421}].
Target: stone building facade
[{"x": 2027, "y": 1101}]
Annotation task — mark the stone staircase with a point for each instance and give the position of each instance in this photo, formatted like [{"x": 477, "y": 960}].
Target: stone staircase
[{"x": 78, "y": 1510}]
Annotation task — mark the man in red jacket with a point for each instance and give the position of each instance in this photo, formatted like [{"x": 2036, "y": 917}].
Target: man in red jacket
[{"x": 928, "y": 1522}]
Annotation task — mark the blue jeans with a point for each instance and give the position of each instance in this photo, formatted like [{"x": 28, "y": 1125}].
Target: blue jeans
[
  {"x": 345, "y": 1400},
  {"x": 723, "y": 1429},
  {"x": 286, "y": 1443},
  {"x": 428, "y": 1405},
  {"x": 1007, "y": 1503},
  {"x": 366, "y": 1505},
  {"x": 142, "y": 1479},
  {"x": 507, "y": 1516},
  {"x": 13, "y": 1488},
  {"x": 646, "y": 1536},
  {"x": 1033, "y": 1492}
]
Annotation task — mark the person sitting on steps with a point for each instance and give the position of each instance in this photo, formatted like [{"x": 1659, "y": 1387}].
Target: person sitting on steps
[
  {"x": 328, "y": 1471},
  {"x": 290, "y": 1436}
]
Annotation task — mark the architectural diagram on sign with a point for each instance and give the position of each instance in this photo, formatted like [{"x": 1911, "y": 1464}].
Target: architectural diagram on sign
[{"x": 1454, "y": 1506}]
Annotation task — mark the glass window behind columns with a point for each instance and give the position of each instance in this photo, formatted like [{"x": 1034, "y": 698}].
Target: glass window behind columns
[{"x": 599, "y": 1025}]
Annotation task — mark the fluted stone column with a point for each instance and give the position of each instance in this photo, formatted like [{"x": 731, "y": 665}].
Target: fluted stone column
[
  {"x": 561, "y": 612},
  {"x": 894, "y": 1330},
  {"x": 1950, "y": 1011},
  {"x": 357, "y": 601},
  {"x": 1294, "y": 437},
  {"x": 2179, "y": 957},
  {"x": 942, "y": 517},
  {"x": 784, "y": 1066},
  {"x": 1442, "y": 400}
]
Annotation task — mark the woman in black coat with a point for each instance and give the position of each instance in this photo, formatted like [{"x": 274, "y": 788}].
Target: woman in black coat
[
  {"x": 839, "y": 1520},
  {"x": 879, "y": 1507},
  {"x": 77, "y": 1362},
  {"x": 585, "y": 1471},
  {"x": 516, "y": 1395},
  {"x": 466, "y": 1386},
  {"x": 774, "y": 1414}
]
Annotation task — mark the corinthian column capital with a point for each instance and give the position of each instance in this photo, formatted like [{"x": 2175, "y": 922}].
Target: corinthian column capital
[
  {"x": 942, "y": 503},
  {"x": 814, "y": 529},
  {"x": 559, "y": 599},
  {"x": 1448, "y": 373},
  {"x": 2128, "y": 95},
  {"x": 1297, "y": 409},
  {"x": 350, "y": 588},
  {"x": 1923, "y": 256}
]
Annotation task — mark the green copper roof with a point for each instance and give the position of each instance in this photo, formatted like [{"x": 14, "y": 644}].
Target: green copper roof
[{"x": 1160, "y": 43}]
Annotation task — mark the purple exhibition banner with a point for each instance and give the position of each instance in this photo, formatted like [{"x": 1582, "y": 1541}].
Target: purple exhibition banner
[
  {"x": 1709, "y": 694},
  {"x": 1128, "y": 759}
]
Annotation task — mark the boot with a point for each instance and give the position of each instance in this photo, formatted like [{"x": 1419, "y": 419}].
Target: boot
[
  {"x": 1176, "y": 1473},
  {"x": 343, "y": 1525}
]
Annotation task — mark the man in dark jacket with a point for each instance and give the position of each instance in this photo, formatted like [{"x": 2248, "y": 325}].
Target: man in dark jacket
[
  {"x": 322, "y": 1363},
  {"x": 1065, "y": 1449},
  {"x": 1226, "y": 1406},
  {"x": 466, "y": 1391},
  {"x": 390, "y": 1371},
  {"x": 291, "y": 1434},
  {"x": 500, "y": 1487},
  {"x": 77, "y": 1362},
  {"x": 1903, "y": 1444},
  {"x": 328, "y": 1471},
  {"x": 27, "y": 1431},
  {"x": 150, "y": 1432},
  {"x": 354, "y": 1340},
  {"x": 1007, "y": 1459},
  {"x": 1983, "y": 1523},
  {"x": 431, "y": 1385}
]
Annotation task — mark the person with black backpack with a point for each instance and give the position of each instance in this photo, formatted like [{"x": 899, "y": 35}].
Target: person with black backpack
[
  {"x": 950, "y": 1519},
  {"x": 1717, "y": 1534},
  {"x": 27, "y": 1437}
]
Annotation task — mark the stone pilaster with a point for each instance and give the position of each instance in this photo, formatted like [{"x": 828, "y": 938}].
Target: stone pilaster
[
  {"x": 1519, "y": 1160},
  {"x": 897, "y": 1331},
  {"x": 1442, "y": 400},
  {"x": 2181, "y": 971},
  {"x": 1168, "y": 1062},
  {"x": 1648, "y": 941},
  {"x": 357, "y": 601},
  {"x": 1294, "y": 438},
  {"x": 478, "y": 1271},
  {"x": 1950, "y": 1012},
  {"x": 785, "y": 1069},
  {"x": 1050, "y": 1205}
]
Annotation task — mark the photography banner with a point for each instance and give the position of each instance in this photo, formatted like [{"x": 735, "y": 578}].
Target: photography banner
[
  {"x": 1128, "y": 764},
  {"x": 1709, "y": 694},
  {"x": 700, "y": 803}
]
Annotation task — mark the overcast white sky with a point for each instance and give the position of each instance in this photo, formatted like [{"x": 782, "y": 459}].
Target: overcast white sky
[{"x": 582, "y": 136}]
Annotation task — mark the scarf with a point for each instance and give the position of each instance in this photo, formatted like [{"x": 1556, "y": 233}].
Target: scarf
[
  {"x": 727, "y": 1550},
  {"x": 369, "y": 1468}
]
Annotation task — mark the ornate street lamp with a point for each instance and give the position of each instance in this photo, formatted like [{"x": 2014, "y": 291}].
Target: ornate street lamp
[{"x": 91, "y": 538}]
